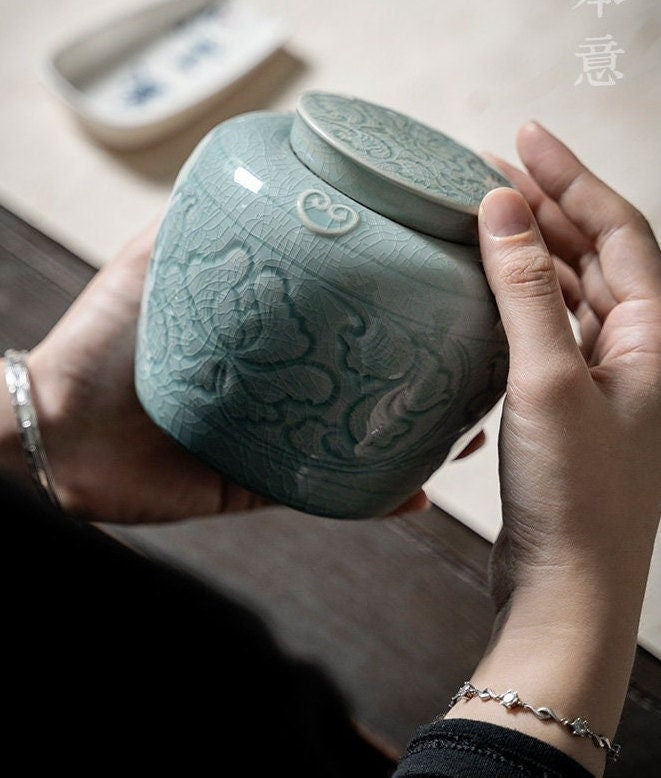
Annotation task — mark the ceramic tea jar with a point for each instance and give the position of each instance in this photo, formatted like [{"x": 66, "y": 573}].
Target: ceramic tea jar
[{"x": 316, "y": 324}]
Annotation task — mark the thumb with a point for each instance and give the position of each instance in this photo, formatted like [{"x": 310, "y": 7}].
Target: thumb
[{"x": 522, "y": 276}]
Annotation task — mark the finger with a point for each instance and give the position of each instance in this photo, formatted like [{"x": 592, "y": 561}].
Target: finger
[
  {"x": 417, "y": 502},
  {"x": 233, "y": 498},
  {"x": 628, "y": 252},
  {"x": 474, "y": 445},
  {"x": 590, "y": 329},
  {"x": 572, "y": 292},
  {"x": 562, "y": 237},
  {"x": 596, "y": 287},
  {"x": 570, "y": 284},
  {"x": 565, "y": 240},
  {"x": 125, "y": 274},
  {"x": 522, "y": 276},
  {"x": 139, "y": 248}
]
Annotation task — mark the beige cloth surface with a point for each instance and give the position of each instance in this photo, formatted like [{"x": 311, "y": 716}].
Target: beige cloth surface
[{"x": 474, "y": 69}]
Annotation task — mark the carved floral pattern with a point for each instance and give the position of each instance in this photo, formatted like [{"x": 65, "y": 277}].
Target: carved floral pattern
[
  {"x": 304, "y": 365},
  {"x": 429, "y": 159},
  {"x": 244, "y": 341}
]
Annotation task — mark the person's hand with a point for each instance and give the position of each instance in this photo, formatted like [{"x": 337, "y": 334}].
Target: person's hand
[
  {"x": 579, "y": 445},
  {"x": 110, "y": 462},
  {"x": 580, "y": 441}
]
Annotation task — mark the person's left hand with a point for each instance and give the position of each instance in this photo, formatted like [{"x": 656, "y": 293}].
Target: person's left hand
[{"x": 110, "y": 462}]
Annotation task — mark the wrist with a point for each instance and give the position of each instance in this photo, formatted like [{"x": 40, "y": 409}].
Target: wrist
[{"x": 568, "y": 646}]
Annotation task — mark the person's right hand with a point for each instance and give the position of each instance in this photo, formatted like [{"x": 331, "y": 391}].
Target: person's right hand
[{"x": 580, "y": 441}]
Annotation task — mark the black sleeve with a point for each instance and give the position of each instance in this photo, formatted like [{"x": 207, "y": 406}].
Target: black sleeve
[
  {"x": 114, "y": 662},
  {"x": 460, "y": 747}
]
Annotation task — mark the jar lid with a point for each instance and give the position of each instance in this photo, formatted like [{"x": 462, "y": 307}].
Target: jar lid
[{"x": 393, "y": 164}]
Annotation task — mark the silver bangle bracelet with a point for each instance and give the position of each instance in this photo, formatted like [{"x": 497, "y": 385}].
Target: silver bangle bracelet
[
  {"x": 510, "y": 700},
  {"x": 18, "y": 384}
]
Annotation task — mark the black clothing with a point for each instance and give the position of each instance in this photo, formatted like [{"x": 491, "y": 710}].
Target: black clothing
[
  {"x": 457, "y": 747},
  {"x": 114, "y": 661}
]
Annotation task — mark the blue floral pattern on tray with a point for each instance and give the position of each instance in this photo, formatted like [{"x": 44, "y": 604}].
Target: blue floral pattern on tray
[{"x": 192, "y": 55}]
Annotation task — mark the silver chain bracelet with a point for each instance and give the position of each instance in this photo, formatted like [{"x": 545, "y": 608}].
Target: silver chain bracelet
[
  {"x": 510, "y": 700},
  {"x": 18, "y": 384}
]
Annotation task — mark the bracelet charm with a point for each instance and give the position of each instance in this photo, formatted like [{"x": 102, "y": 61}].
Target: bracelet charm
[{"x": 510, "y": 699}]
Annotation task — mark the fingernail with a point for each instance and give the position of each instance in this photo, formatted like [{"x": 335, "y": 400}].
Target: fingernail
[{"x": 506, "y": 213}]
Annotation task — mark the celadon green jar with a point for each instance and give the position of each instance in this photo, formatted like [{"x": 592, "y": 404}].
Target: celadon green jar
[{"x": 316, "y": 323}]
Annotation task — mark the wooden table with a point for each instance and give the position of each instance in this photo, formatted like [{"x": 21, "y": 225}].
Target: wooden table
[{"x": 397, "y": 610}]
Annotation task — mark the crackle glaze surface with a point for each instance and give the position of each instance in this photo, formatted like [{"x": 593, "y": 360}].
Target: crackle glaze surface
[
  {"x": 305, "y": 346},
  {"x": 393, "y": 164}
]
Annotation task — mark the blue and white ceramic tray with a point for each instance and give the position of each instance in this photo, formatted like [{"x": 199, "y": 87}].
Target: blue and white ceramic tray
[{"x": 143, "y": 76}]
